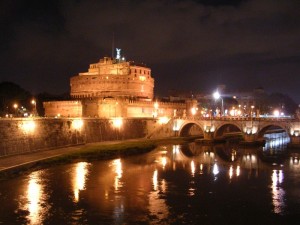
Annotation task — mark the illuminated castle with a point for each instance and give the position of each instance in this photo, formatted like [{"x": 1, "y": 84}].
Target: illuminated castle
[
  {"x": 112, "y": 87},
  {"x": 113, "y": 78}
]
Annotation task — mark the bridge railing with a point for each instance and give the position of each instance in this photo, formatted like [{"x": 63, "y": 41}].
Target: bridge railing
[{"x": 229, "y": 118}]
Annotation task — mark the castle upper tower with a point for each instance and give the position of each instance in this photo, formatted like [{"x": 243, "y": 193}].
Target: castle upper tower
[{"x": 113, "y": 77}]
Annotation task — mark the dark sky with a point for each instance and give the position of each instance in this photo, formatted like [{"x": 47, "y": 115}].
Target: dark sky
[{"x": 189, "y": 45}]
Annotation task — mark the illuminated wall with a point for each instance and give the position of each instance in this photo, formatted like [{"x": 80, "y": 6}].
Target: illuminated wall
[
  {"x": 114, "y": 78},
  {"x": 113, "y": 107},
  {"x": 36, "y": 134},
  {"x": 63, "y": 108}
]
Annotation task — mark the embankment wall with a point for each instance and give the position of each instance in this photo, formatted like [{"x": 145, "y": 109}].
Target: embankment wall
[{"x": 24, "y": 135}]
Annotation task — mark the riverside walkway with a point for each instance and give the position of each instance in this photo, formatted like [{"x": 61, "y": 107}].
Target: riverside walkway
[{"x": 15, "y": 162}]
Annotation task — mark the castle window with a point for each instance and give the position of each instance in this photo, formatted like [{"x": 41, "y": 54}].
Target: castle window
[{"x": 142, "y": 78}]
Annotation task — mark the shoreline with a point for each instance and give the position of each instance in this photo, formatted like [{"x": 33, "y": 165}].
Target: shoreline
[{"x": 19, "y": 164}]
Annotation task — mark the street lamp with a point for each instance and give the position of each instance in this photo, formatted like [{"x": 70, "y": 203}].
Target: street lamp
[
  {"x": 33, "y": 102},
  {"x": 216, "y": 96},
  {"x": 16, "y": 108},
  {"x": 252, "y": 111},
  {"x": 193, "y": 111}
]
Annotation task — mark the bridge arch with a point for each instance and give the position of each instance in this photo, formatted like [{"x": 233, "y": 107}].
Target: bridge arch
[
  {"x": 270, "y": 127},
  {"x": 191, "y": 129},
  {"x": 191, "y": 149},
  {"x": 226, "y": 129}
]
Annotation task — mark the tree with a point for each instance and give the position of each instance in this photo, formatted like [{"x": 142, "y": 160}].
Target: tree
[{"x": 11, "y": 93}]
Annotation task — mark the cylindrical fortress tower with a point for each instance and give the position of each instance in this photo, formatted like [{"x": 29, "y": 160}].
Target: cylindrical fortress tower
[{"x": 113, "y": 78}]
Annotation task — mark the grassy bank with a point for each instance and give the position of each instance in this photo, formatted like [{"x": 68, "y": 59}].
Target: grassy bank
[
  {"x": 96, "y": 151},
  {"x": 100, "y": 151}
]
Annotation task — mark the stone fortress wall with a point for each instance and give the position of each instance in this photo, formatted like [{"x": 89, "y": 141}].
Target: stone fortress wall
[{"x": 25, "y": 135}]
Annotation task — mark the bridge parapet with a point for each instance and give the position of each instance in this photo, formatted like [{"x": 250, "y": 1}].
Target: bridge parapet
[{"x": 252, "y": 129}]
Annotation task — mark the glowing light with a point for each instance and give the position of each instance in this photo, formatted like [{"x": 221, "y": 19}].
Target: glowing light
[
  {"x": 80, "y": 178},
  {"x": 77, "y": 124},
  {"x": 118, "y": 167},
  {"x": 163, "y": 161},
  {"x": 276, "y": 113},
  {"x": 176, "y": 126},
  {"x": 154, "y": 180},
  {"x": 28, "y": 126},
  {"x": 215, "y": 169},
  {"x": 201, "y": 168},
  {"x": 277, "y": 192},
  {"x": 163, "y": 120},
  {"x": 193, "y": 110},
  {"x": 238, "y": 171},
  {"x": 216, "y": 95},
  {"x": 35, "y": 198},
  {"x": 142, "y": 78},
  {"x": 118, "y": 50},
  {"x": 175, "y": 149},
  {"x": 193, "y": 169},
  {"x": 117, "y": 122},
  {"x": 118, "y": 170},
  {"x": 230, "y": 172},
  {"x": 250, "y": 130}
]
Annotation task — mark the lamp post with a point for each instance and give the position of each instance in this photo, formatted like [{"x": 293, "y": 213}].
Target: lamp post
[
  {"x": 216, "y": 96},
  {"x": 16, "y": 108},
  {"x": 252, "y": 111},
  {"x": 33, "y": 102},
  {"x": 193, "y": 111}
]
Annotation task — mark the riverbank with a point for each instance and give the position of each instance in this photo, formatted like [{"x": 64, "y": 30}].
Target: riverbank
[{"x": 18, "y": 164}]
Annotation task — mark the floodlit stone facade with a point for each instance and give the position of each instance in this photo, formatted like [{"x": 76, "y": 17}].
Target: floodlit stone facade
[
  {"x": 113, "y": 78},
  {"x": 114, "y": 87}
]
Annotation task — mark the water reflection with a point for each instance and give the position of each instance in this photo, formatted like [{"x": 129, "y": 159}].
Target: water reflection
[
  {"x": 276, "y": 141},
  {"x": 216, "y": 169},
  {"x": 174, "y": 184},
  {"x": 278, "y": 194},
  {"x": 158, "y": 208},
  {"x": 35, "y": 203},
  {"x": 193, "y": 169},
  {"x": 117, "y": 169},
  {"x": 81, "y": 171}
]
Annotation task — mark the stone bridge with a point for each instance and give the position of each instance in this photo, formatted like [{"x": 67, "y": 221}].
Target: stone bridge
[{"x": 251, "y": 129}]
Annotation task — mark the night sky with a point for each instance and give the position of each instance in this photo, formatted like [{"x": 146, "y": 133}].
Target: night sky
[{"x": 189, "y": 45}]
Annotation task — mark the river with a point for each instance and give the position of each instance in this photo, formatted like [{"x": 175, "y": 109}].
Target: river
[{"x": 173, "y": 184}]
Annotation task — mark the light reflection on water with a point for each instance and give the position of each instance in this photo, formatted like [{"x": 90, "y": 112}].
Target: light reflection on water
[
  {"x": 174, "y": 184},
  {"x": 80, "y": 176},
  {"x": 157, "y": 206},
  {"x": 34, "y": 199},
  {"x": 278, "y": 193}
]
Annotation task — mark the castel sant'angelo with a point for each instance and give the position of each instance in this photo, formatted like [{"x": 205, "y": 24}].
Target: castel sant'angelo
[{"x": 114, "y": 87}]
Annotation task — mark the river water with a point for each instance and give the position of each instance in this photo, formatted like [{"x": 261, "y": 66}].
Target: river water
[{"x": 173, "y": 184}]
